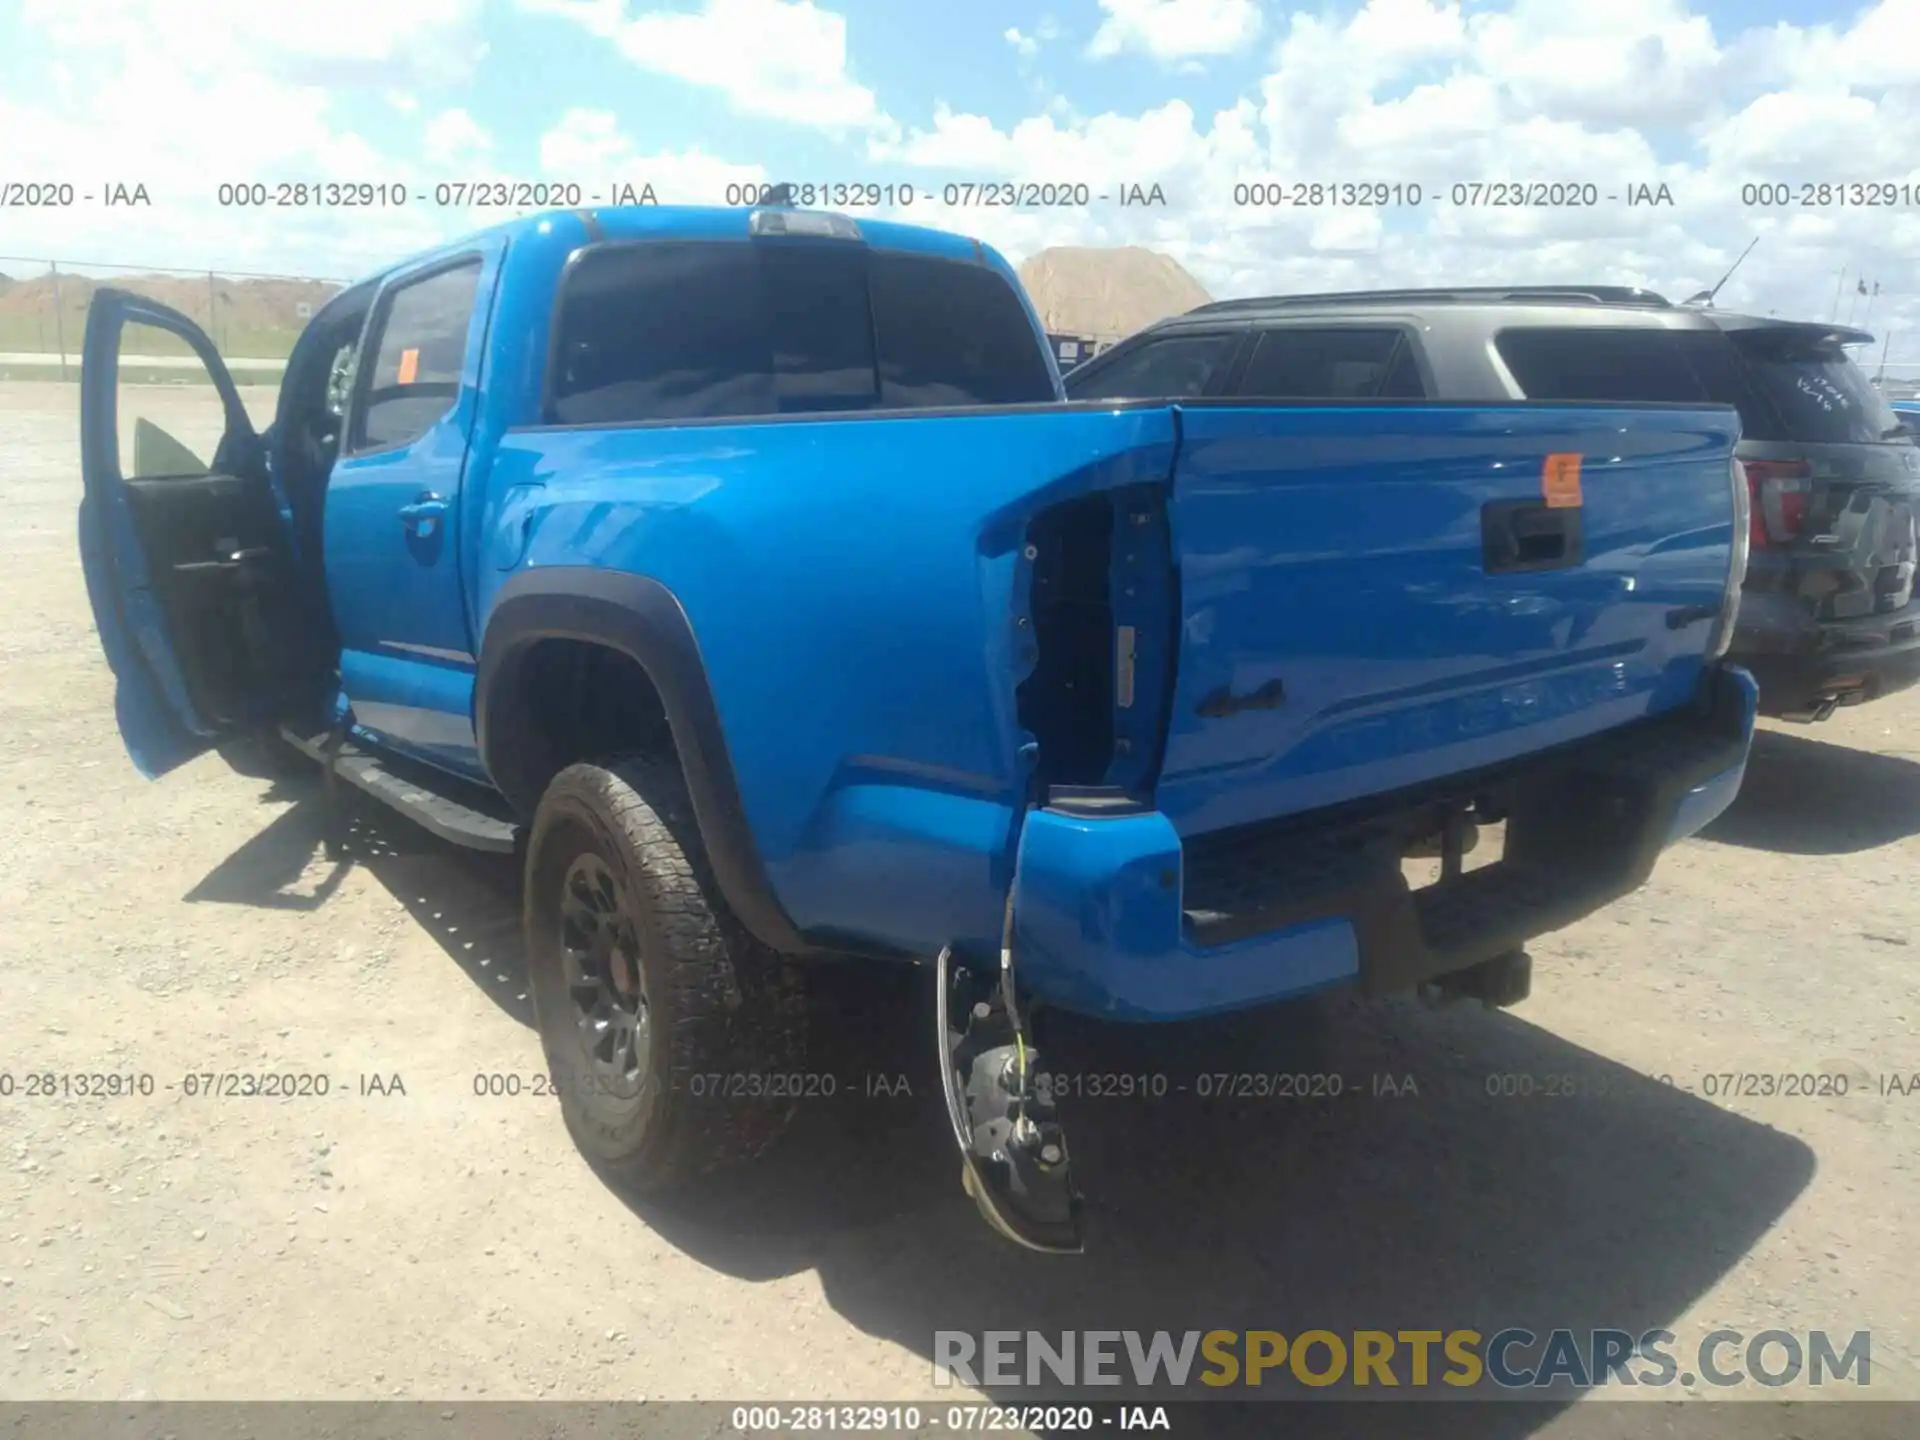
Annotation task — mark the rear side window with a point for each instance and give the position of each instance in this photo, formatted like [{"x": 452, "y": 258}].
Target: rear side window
[
  {"x": 1176, "y": 367},
  {"x": 1813, "y": 391},
  {"x": 1785, "y": 386},
  {"x": 1331, "y": 364},
  {"x": 740, "y": 329},
  {"x": 416, "y": 368},
  {"x": 1586, "y": 363}
]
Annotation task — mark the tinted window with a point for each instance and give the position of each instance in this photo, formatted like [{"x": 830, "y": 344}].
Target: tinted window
[
  {"x": 416, "y": 368},
  {"x": 814, "y": 323},
  {"x": 1329, "y": 365},
  {"x": 1403, "y": 380},
  {"x": 1586, "y": 363},
  {"x": 186, "y": 399},
  {"x": 953, "y": 335},
  {"x": 1785, "y": 386},
  {"x": 707, "y": 331},
  {"x": 1813, "y": 391},
  {"x": 1178, "y": 367}
]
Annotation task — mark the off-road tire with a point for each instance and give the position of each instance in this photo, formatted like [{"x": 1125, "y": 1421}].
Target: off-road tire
[{"x": 727, "y": 1016}]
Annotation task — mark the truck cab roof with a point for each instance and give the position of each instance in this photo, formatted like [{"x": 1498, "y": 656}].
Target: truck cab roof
[{"x": 566, "y": 230}]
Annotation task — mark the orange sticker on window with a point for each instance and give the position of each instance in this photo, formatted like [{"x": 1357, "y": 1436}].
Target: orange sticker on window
[
  {"x": 410, "y": 367},
  {"x": 1560, "y": 480}
]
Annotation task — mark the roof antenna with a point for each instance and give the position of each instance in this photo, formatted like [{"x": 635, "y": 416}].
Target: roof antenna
[{"x": 1705, "y": 297}]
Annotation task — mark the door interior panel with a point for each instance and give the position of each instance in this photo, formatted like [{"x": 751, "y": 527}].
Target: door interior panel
[{"x": 220, "y": 569}]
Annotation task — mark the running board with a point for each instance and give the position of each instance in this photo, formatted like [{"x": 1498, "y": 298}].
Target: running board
[{"x": 433, "y": 808}]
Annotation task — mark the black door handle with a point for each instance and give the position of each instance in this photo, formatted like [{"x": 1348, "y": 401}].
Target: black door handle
[{"x": 1518, "y": 535}]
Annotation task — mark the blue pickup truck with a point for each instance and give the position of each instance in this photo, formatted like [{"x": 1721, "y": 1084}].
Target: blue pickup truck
[{"x": 747, "y": 572}]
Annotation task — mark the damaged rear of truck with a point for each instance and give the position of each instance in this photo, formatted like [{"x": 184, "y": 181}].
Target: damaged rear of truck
[
  {"x": 1140, "y": 712},
  {"x": 749, "y": 572}
]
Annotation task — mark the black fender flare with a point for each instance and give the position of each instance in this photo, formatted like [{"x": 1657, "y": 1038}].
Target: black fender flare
[{"x": 643, "y": 620}]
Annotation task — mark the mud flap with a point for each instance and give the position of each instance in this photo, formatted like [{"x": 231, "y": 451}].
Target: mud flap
[{"x": 1013, "y": 1152}]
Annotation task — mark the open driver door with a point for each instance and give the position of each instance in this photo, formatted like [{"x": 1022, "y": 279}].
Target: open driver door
[{"x": 188, "y": 560}]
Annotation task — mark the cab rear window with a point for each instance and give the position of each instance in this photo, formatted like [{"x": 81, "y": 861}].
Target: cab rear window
[{"x": 705, "y": 330}]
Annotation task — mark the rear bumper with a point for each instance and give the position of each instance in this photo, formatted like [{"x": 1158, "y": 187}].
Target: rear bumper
[
  {"x": 1800, "y": 662},
  {"x": 1117, "y": 916}
]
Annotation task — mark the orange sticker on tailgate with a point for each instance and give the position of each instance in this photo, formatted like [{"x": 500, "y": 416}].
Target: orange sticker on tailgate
[
  {"x": 410, "y": 367},
  {"x": 1560, "y": 480}
]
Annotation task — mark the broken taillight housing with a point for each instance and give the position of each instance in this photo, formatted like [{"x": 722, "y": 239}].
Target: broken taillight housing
[{"x": 1780, "y": 490}]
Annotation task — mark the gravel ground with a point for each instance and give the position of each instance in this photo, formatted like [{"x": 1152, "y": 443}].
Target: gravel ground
[{"x": 434, "y": 1243}]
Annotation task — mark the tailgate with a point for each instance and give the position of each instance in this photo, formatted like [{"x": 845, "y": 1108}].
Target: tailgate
[{"x": 1375, "y": 596}]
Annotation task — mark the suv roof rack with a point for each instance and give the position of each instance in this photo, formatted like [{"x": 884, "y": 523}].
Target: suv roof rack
[{"x": 1564, "y": 294}]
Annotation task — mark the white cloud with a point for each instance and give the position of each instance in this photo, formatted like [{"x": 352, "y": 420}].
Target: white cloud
[
  {"x": 1175, "y": 29},
  {"x": 1628, "y": 61},
  {"x": 590, "y": 143},
  {"x": 1418, "y": 92},
  {"x": 454, "y": 138},
  {"x": 242, "y": 94},
  {"x": 1399, "y": 91},
  {"x": 783, "y": 59},
  {"x": 360, "y": 42},
  {"x": 1876, "y": 50}
]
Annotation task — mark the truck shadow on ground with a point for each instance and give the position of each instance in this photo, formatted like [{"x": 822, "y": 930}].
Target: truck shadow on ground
[
  {"x": 1803, "y": 796},
  {"x": 467, "y": 901},
  {"x": 1423, "y": 1196},
  {"x": 1427, "y": 1194}
]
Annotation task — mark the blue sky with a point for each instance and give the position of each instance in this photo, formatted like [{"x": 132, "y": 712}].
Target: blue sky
[{"x": 1197, "y": 96}]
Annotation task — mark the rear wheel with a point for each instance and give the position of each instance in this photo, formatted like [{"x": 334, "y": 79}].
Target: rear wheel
[{"x": 673, "y": 1037}]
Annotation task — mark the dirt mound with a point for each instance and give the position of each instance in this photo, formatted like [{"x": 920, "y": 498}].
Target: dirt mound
[{"x": 1107, "y": 293}]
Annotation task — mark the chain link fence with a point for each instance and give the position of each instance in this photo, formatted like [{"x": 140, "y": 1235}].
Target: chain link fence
[{"x": 252, "y": 317}]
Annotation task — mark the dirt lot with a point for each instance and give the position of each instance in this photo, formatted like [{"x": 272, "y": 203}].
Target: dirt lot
[{"x": 439, "y": 1244}]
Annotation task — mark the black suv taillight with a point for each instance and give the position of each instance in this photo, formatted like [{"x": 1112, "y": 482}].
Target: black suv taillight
[{"x": 1781, "y": 490}]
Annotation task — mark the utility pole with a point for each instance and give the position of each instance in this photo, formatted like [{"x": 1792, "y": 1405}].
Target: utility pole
[
  {"x": 1840, "y": 280},
  {"x": 59, "y": 329},
  {"x": 1881, "y": 378}
]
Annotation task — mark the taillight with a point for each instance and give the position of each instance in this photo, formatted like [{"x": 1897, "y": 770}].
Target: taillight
[
  {"x": 1780, "y": 490},
  {"x": 1744, "y": 527}
]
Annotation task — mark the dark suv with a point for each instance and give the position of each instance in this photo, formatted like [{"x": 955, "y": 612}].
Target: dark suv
[{"x": 1827, "y": 615}]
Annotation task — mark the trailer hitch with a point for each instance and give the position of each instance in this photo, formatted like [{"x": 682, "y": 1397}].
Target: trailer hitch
[{"x": 1013, "y": 1152}]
